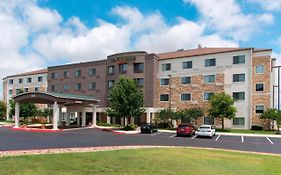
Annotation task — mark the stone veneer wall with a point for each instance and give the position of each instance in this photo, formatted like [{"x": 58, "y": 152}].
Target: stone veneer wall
[
  {"x": 260, "y": 98},
  {"x": 196, "y": 88}
]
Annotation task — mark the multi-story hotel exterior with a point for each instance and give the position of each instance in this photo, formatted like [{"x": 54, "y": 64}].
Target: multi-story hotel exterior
[
  {"x": 181, "y": 79},
  {"x": 34, "y": 81}
]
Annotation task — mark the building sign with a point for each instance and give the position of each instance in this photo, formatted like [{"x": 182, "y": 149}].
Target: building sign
[{"x": 123, "y": 59}]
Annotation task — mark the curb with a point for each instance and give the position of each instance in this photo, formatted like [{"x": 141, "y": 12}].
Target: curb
[
  {"x": 249, "y": 135},
  {"x": 113, "y": 148},
  {"x": 37, "y": 130}
]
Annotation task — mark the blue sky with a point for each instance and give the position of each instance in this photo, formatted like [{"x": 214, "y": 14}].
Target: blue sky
[{"x": 39, "y": 33}]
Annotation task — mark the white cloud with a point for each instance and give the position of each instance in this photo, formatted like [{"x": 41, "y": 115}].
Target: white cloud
[
  {"x": 270, "y": 5},
  {"x": 227, "y": 18},
  {"x": 32, "y": 36}
]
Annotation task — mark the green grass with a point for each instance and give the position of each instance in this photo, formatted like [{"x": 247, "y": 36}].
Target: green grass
[
  {"x": 246, "y": 131},
  {"x": 144, "y": 161}
]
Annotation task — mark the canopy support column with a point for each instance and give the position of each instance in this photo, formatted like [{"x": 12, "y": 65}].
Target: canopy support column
[
  {"x": 55, "y": 115},
  {"x": 17, "y": 114},
  {"x": 94, "y": 110}
]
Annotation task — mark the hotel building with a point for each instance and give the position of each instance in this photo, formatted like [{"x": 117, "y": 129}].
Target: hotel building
[
  {"x": 177, "y": 80},
  {"x": 34, "y": 81}
]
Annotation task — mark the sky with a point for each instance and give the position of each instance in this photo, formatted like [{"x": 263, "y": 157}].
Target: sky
[{"x": 35, "y": 34}]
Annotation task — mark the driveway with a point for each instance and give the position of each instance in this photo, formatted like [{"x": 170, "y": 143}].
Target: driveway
[{"x": 20, "y": 140}]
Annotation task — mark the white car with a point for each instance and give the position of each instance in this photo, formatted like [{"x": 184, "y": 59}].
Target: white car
[{"x": 206, "y": 130}]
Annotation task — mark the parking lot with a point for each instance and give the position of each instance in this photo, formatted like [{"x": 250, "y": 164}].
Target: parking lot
[{"x": 21, "y": 140}]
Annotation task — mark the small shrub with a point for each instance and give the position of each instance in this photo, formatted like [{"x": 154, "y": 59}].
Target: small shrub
[
  {"x": 130, "y": 127},
  {"x": 257, "y": 128},
  {"x": 108, "y": 124},
  {"x": 164, "y": 125}
]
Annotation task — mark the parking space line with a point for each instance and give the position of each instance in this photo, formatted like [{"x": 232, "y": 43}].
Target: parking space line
[
  {"x": 242, "y": 139},
  {"x": 269, "y": 140},
  {"x": 218, "y": 137},
  {"x": 194, "y": 137},
  {"x": 173, "y": 135},
  {"x": 157, "y": 133}
]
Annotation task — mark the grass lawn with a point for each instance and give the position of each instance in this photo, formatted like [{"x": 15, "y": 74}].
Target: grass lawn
[
  {"x": 246, "y": 131},
  {"x": 143, "y": 161}
]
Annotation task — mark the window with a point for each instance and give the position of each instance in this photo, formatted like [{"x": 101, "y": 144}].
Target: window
[
  {"x": 138, "y": 67},
  {"x": 187, "y": 64},
  {"x": 164, "y": 81},
  {"x": 185, "y": 80},
  {"x": 259, "y": 109},
  {"x": 239, "y": 59},
  {"x": 166, "y": 66},
  {"x": 11, "y": 81},
  {"x": 29, "y": 80},
  {"x": 54, "y": 75},
  {"x": 111, "y": 70},
  {"x": 40, "y": 79},
  {"x": 164, "y": 97},
  {"x": 139, "y": 82},
  {"x": 260, "y": 69},
  {"x": 78, "y": 73},
  {"x": 239, "y": 95},
  {"x": 259, "y": 87},
  {"x": 53, "y": 88},
  {"x": 92, "y": 72},
  {"x": 238, "y": 77},
  {"x": 18, "y": 91},
  {"x": 66, "y": 74},
  {"x": 210, "y": 62},
  {"x": 186, "y": 97},
  {"x": 209, "y": 121},
  {"x": 207, "y": 95},
  {"x": 66, "y": 87},
  {"x": 110, "y": 83},
  {"x": 10, "y": 92},
  {"x": 20, "y": 81},
  {"x": 36, "y": 89},
  {"x": 25, "y": 89},
  {"x": 92, "y": 86},
  {"x": 78, "y": 86},
  {"x": 123, "y": 68},
  {"x": 239, "y": 121},
  {"x": 209, "y": 78}
]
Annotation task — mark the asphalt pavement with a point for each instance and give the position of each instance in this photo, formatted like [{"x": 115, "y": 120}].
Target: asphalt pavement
[{"x": 91, "y": 137}]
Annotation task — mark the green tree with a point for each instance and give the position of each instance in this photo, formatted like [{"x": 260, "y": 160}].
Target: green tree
[
  {"x": 187, "y": 115},
  {"x": 26, "y": 109},
  {"x": 2, "y": 109},
  {"x": 272, "y": 114},
  {"x": 166, "y": 116},
  {"x": 221, "y": 106},
  {"x": 125, "y": 99},
  {"x": 46, "y": 112}
]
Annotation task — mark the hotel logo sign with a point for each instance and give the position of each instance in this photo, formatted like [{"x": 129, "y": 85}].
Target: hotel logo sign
[{"x": 123, "y": 59}]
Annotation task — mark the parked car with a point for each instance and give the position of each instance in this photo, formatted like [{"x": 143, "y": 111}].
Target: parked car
[
  {"x": 148, "y": 128},
  {"x": 206, "y": 130},
  {"x": 185, "y": 130}
]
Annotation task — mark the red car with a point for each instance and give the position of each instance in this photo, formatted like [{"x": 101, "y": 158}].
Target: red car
[{"x": 185, "y": 130}]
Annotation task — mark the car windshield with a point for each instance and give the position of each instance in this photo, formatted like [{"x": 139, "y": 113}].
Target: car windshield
[{"x": 205, "y": 127}]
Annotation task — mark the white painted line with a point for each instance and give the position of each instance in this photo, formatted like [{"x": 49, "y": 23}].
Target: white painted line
[
  {"x": 157, "y": 133},
  {"x": 242, "y": 139},
  {"x": 173, "y": 135},
  {"x": 218, "y": 137},
  {"x": 194, "y": 137},
  {"x": 269, "y": 140}
]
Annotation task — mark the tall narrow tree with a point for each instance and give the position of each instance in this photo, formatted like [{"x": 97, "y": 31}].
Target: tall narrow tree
[
  {"x": 221, "y": 106},
  {"x": 125, "y": 99}
]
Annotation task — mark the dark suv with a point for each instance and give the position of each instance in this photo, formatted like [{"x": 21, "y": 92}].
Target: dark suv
[
  {"x": 148, "y": 128},
  {"x": 185, "y": 130}
]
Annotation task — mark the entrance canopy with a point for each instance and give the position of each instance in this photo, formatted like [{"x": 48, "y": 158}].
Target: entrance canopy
[
  {"x": 51, "y": 97},
  {"x": 57, "y": 100}
]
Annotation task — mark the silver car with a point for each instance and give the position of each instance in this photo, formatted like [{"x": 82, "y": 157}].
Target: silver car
[{"x": 206, "y": 130}]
